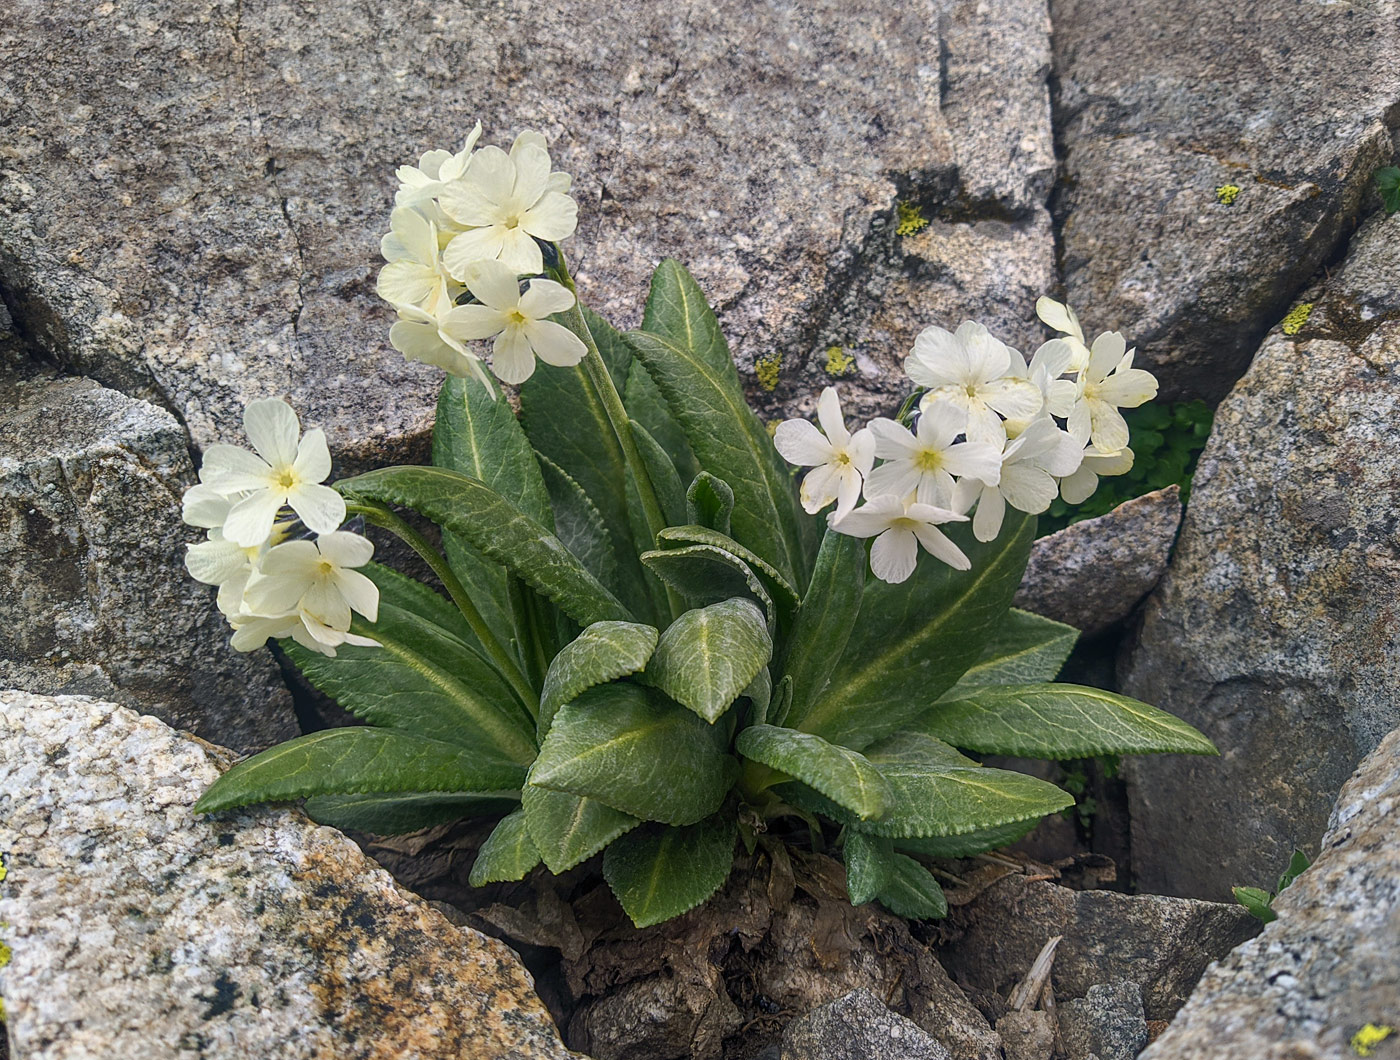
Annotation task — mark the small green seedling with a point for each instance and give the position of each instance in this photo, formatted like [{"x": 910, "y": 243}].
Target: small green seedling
[{"x": 1261, "y": 902}]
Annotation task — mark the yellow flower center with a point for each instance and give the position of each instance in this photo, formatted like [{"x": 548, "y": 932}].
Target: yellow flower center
[
  {"x": 325, "y": 567},
  {"x": 515, "y": 318},
  {"x": 903, "y": 522},
  {"x": 843, "y": 458},
  {"x": 928, "y": 460},
  {"x": 287, "y": 479}
]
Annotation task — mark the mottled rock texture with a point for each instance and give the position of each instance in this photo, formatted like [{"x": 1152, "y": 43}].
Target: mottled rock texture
[
  {"x": 1092, "y": 574},
  {"x": 1164, "y": 105},
  {"x": 140, "y": 930},
  {"x": 1330, "y": 964},
  {"x": 1276, "y": 630},
  {"x": 94, "y": 598},
  {"x": 204, "y": 230},
  {"x": 858, "y": 1026},
  {"x": 1161, "y": 944},
  {"x": 1106, "y": 1023}
]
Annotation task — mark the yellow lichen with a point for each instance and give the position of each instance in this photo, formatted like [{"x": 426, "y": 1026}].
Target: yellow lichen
[
  {"x": 1226, "y": 194},
  {"x": 5, "y": 955},
  {"x": 766, "y": 369},
  {"x": 1368, "y": 1037},
  {"x": 838, "y": 361},
  {"x": 772, "y": 426},
  {"x": 1297, "y": 317},
  {"x": 911, "y": 219}
]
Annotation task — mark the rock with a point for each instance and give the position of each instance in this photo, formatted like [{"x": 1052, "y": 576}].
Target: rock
[
  {"x": 205, "y": 231},
  {"x": 857, "y": 1027},
  {"x": 1093, "y": 574},
  {"x": 1274, "y": 630},
  {"x": 1214, "y": 158},
  {"x": 1161, "y": 944},
  {"x": 94, "y": 597},
  {"x": 774, "y": 941},
  {"x": 1027, "y": 1035},
  {"x": 137, "y": 929},
  {"x": 1107, "y": 1023},
  {"x": 1330, "y": 964}
]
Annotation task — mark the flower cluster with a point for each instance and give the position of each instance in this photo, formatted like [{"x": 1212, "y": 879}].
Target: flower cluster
[
  {"x": 270, "y": 583},
  {"x": 991, "y": 430},
  {"x": 465, "y": 228}
]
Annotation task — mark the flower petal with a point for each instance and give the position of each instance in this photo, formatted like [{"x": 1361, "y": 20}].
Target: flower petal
[
  {"x": 1027, "y": 488},
  {"x": 407, "y": 283},
  {"x": 554, "y": 343},
  {"x": 980, "y": 460},
  {"x": 937, "y": 544},
  {"x": 511, "y": 357},
  {"x": 1058, "y": 316},
  {"x": 894, "y": 555},
  {"x": 273, "y": 429},
  {"x": 820, "y": 487},
  {"x": 1016, "y": 399},
  {"x": 313, "y": 462},
  {"x": 800, "y": 443},
  {"x": 228, "y": 468},
  {"x": 466, "y": 322},
  {"x": 345, "y": 549},
  {"x": 204, "y": 506},
  {"x": 1128, "y": 389},
  {"x": 829, "y": 416},
  {"x": 215, "y": 562},
  {"x": 1110, "y": 430},
  {"x": 531, "y": 172},
  {"x": 893, "y": 441},
  {"x": 494, "y": 283},
  {"x": 520, "y": 251},
  {"x": 359, "y": 592},
  {"x": 1104, "y": 355},
  {"x": 545, "y": 298},
  {"x": 471, "y": 246},
  {"x": 898, "y": 478},
  {"x": 937, "y": 359},
  {"x": 249, "y": 522},
  {"x": 1080, "y": 486},
  {"x": 321, "y": 508},
  {"x": 553, "y": 218}
]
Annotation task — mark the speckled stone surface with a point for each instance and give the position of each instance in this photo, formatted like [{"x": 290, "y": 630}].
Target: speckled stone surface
[
  {"x": 1092, "y": 574},
  {"x": 858, "y": 1026},
  {"x": 1160, "y": 103},
  {"x": 94, "y": 598},
  {"x": 139, "y": 930},
  {"x": 205, "y": 230},
  {"x": 1276, "y": 629},
  {"x": 1330, "y": 964}
]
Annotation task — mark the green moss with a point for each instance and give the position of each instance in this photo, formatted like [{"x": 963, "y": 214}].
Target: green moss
[
  {"x": 1226, "y": 194},
  {"x": 1297, "y": 317},
  {"x": 838, "y": 362},
  {"x": 910, "y": 219},
  {"x": 767, "y": 369}
]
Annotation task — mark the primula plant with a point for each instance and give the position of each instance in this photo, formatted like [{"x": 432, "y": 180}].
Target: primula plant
[{"x": 643, "y": 638}]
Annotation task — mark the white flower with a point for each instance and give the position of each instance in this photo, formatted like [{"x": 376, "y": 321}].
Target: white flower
[
  {"x": 517, "y": 321},
  {"x": 899, "y": 528},
  {"x": 1081, "y": 485},
  {"x": 1029, "y": 468},
  {"x": 420, "y": 335},
  {"x": 315, "y": 583},
  {"x": 1064, "y": 320},
  {"x": 506, "y": 201},
  {"x": 414, "y": 275},
  {"x": 285, "y": 471},
  {"x": 970, "y": 370},
  {"x": 1047, "y": 365},
  {"x": 839, "y": 460},
  {"x": 925, "y": 462},
  {"x": 1109, "y": 382},
  {"x": 251, "y": 632},
  {"x": 421, "y": 183}
]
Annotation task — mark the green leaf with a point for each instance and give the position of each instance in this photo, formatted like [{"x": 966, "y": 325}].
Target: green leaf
[
  {"x": 569, "y": 830},
  {"x": 911, "y": 891},
  {"x": 1058, "y": 721},
  {"x": 759, "y": 692},
  {"x": 843, "y": 775},
  {"x": 708, "y": 655},
  {"x": 566, "y": 422},
  {"x": 399, "y": 813},
  {"x": 360, "y": 759},
  {"x": 507, "y": 854},
  {"x": 709, "y": 502},
  {"x": 1388, "y": 184},
  {"x": 665, "y": 480},
  {"x": 503, "y": 532},
  {"x": 639, "y": 752},
  {"x": 422, "y": 680},
  {"x": 658, "y": 873},
  {"x": 704, "y": 574},
  {"x": 603, "y": 652},
  {"x": 867, "y": 861},
  {"x": 1024, "y": 648},
  {"x": 912, "y": 641},
  {"x": 579, "y": 524},
  {"x": 646, "y": 406},
  {"x": 411, "y": 595},
  {"x": 683, "y": 351},
  {"x": 938, "y": 792},
  {"x": 1297, "y": 864},
  {"x": 1258, "y": 902},
  {"x": 783, "y": 594},
  {"x": 824, "y": 623},
  {"x": 962, "y": 846}
]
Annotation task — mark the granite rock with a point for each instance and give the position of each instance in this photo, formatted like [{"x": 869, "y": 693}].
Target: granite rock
[
  {"x": 1107, "y": 1023},
  {"x": 1276, "y": 629},
  {"x": 138, "y": 929},
  {"x": 1330, "y": 964},
  {"x": 1214, "y": 157},
  {"x": 94, "y": 598},
  {"x": 1161, "y": 944},
  {"x": 858, "y": 1027},
  {"x": 205, "y": 230},
  {"x": 1093, "y": 574}
]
